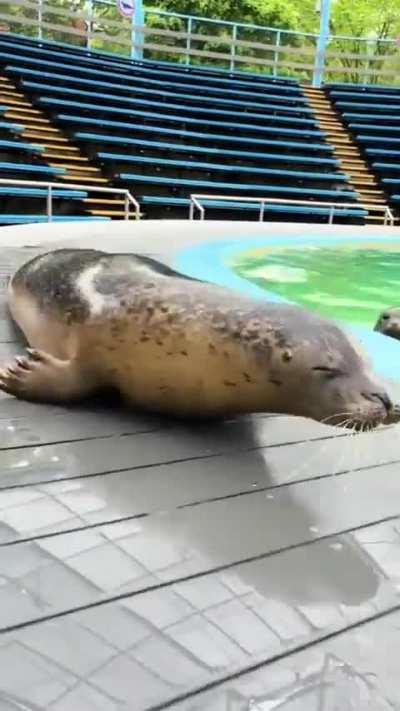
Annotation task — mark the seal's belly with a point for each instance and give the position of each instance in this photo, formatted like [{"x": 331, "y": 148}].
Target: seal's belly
[{"x": 195, "y": 377}]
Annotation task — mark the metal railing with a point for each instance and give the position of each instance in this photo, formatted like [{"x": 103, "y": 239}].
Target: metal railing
[
  {"x": 388, "y": 218},
  {"x": 129, "y": 200},
  {"x": 95, "y": 25}
]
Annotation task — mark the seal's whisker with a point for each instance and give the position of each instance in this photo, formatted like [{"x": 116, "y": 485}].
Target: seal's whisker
[{"x": 325, "y": 420}]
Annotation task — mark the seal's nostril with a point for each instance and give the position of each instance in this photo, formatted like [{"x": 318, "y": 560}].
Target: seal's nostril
[{"x": 382, "y": 397}]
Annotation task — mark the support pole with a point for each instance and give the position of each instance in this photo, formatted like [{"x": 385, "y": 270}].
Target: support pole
[
  {"x": 137, "y": 36},
  {"x": 325, "y": 10}
]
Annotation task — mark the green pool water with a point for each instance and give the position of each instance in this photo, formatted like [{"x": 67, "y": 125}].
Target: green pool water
[{"x": 350, "y": 282}]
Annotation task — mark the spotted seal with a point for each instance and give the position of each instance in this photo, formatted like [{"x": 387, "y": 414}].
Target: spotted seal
[
  {"x": 173, "y": 344},
  {"x": 388, "y": 322}
]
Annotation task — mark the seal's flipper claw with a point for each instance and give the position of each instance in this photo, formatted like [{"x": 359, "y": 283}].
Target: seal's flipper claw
[
  {"x": 34, "y": 354},
  {"x": 43, "y": 378}
]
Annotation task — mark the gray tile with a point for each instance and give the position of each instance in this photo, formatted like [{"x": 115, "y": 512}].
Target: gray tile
[
  {"x": 355, "y": 670},
  {"x": 126, "y": 680}
]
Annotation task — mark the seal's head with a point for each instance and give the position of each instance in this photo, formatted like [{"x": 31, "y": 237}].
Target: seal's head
[
  {"x": 388, "y": 322},
  {"x": 320, "y": 373}
]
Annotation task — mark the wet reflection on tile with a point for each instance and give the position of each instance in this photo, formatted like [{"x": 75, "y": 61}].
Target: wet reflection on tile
[
  {"x": 172, "y": 640},
  {"x": 30, "y": 464},
  {"x": 59, "y": 572},
  {"x": 75, "y": 425},
  {"x": 64, "y": 504}
]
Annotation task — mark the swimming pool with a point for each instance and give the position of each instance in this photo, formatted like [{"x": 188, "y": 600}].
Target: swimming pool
[{"x": 350, "y": 279}]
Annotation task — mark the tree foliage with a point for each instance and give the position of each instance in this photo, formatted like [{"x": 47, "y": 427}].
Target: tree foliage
[{"x": 375, "y": 20}]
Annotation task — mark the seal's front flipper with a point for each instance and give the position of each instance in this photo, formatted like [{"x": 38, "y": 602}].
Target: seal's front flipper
[{"x": 41, "y": 377}]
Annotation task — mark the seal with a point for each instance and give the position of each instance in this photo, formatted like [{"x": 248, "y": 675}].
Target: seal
[
  {"x": 388, "y": 322},
  {"x": 176, "y": 345}
]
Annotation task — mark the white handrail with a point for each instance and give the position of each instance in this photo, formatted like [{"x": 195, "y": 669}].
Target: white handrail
[
  {"x": 195, "y": 202},
  {"x": 129, "y": 199}
]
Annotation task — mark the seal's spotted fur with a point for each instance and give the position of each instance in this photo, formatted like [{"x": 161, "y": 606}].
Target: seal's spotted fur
[{"x": 174, "y": 344}]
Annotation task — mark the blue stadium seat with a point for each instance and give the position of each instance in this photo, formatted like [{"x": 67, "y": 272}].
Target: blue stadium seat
[
  {"x": 194, "y": 165},
  {"x": 384, "y": 167},
  {"x": 382, "y": 152},
  {"x": 349, "y": 116},
  {"x": 23, "y": 219},
  {"x": 110, "y": 98},
  {"x": 365, "y": 95},
  {"x": 20, "y": 146},
  {"x": 156, "y": 87},
  {"x": 102, "y": 108},
  {"x": 367, "y": 106},
  {"x": 374, "y": 127},
  {"x": 11, "y": 127},
  {"x": 101, "y": 60},
  {"x": 104, "y": 123},
  {"x": 365, "y": 138},
  {"x": 13, "y": 191},
  {"x": 238, "y": 187},
  {"x": 30, "y": 168},
  {"x": 349, "y": 86},
  {"x": 185, "y": 148}
]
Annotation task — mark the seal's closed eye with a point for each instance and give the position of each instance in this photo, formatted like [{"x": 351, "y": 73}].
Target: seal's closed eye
[{"x": 329, "y": 372}]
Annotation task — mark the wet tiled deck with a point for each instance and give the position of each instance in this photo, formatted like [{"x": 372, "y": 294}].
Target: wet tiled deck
[{"x": 149, "y": 564}]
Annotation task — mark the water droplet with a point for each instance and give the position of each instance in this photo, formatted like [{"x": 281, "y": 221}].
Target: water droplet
[
  {"x": 336, "y": 546},
  {"x": 313, "y": 529},
  {"x": 270, "y": 496},
  {"x": 254, "y": 484},
  {"x": 55, "y": 459}
]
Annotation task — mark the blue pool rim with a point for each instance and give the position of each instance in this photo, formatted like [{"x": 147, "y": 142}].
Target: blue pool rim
[{"x": 209, "y": 261}]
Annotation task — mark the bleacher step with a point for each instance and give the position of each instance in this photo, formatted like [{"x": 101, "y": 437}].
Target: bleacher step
[
  {"x": 48, "y": 154},
  {"x": 44, "y": 138},
  {"x": 112, "y": 213}
]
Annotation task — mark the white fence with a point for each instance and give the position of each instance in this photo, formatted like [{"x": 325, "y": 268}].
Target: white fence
[
  {"x": 197, "y": 204},
  {"x": 48, "y": 188}
]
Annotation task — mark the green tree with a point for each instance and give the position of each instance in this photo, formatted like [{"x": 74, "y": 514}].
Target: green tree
[{"x": 376, "y": 21}]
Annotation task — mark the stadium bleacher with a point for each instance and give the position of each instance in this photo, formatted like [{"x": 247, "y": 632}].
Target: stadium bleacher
[
  {"x": 370, "y": 114},
  {"x": 165, "y": 131}
]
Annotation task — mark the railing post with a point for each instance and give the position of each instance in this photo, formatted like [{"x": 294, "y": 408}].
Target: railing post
[
  {"x": 233, "y": 48},
  {"x": 276, "y": 54},
  {"x": 137, "y": 36},
  {"x": 126, "y": 207},
  {"x": 331, "y": 213},
  {"x": 49, "y": 203},
  {"x": 40, "y": 19},
  {"x": 191, "y": 209},
  {"x": 322, "y": 43},
  {"x": 189, "y": 39},
  {"x": 262, "y": 209},
  {"x": 89, "y": 24}
]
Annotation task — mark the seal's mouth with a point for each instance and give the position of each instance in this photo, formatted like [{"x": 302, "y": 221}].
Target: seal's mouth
[{"x": 392, "y": 332}]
